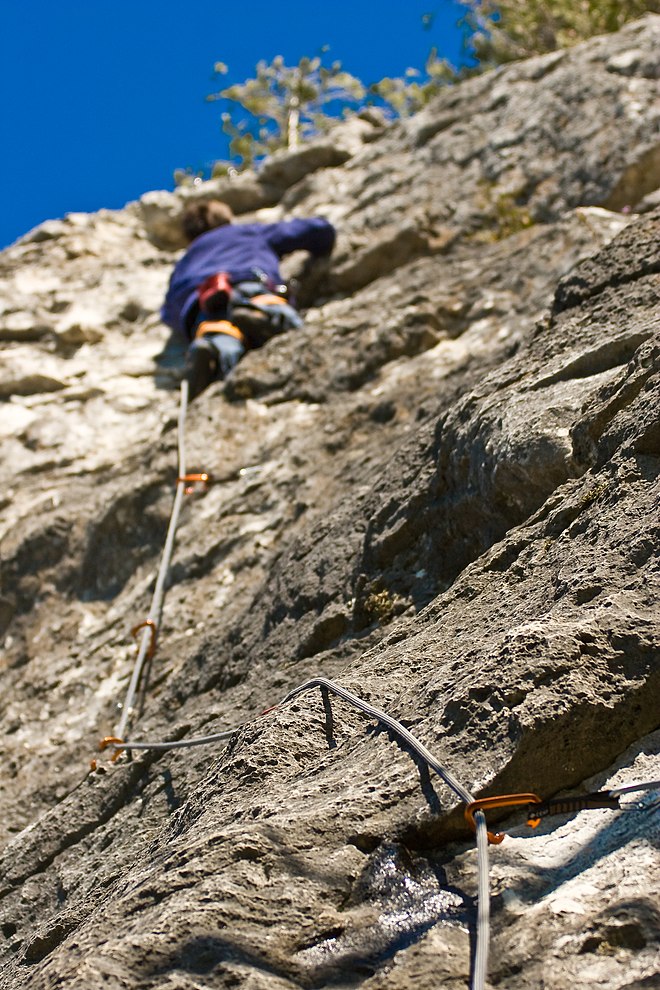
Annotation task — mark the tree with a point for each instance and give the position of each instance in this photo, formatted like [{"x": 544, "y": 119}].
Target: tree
[
  {"x": 408, "y": 94},
  {"x": 285, "y": 105},
  {"x": 503, "y": 30}
]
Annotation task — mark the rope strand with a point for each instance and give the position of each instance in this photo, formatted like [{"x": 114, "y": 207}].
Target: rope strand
[
  {"x": 483, "y": 905},
  {"x": 153, "y": 619},
  {"x": 650, "y": 785},
  {"x": 326, "y": 685},
  {"x": 391, "y": 723}
]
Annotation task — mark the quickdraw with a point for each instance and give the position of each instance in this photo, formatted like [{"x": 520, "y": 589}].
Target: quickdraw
[
  {"x": 153, "y": 628},
  {"x": 116, "y": 743},
  {"x": 499, "y": 801},
  {"x": 537, "y": 808},
  {"x": 566, "y": 805},
  {"x": 190, "y": 480}
]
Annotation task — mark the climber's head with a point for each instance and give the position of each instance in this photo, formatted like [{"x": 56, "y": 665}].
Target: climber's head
[{"x": 203, "y": 215}]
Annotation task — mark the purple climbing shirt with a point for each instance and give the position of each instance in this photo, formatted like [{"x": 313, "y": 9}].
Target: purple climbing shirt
[{"x": 240, "y": 250}]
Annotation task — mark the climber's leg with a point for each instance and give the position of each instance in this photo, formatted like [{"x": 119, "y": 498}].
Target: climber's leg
[
  {"x": 230, "y": 350},
  {"x": 212, "y": 356}
]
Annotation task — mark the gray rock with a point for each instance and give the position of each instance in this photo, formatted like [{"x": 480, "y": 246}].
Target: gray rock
[
  {"x": 29, "y": 383},
  {"x": 442, "y": 492},
  {"x": 285, "y": 168},
  {"x": 160, "y": 212}
]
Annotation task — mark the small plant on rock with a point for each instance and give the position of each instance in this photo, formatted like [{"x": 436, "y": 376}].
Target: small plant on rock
[
  {"x": 504, "y": 30},
  {"x": 407, "y": 95},
  {"x": 380, "y": 605}
]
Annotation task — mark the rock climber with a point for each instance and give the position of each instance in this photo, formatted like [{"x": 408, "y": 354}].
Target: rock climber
[{"x": 226, "y": 294}]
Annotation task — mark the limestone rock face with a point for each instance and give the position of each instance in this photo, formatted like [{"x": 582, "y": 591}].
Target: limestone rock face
[{"x": 442, "y": 492}]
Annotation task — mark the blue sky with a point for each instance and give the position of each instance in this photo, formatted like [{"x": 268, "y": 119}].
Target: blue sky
[{"x": 102, "y": 101}]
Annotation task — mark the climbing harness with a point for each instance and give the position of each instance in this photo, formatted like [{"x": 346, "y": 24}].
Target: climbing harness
[
  {"x": 214, "y": 292},
  {"x": 220, "y": 326},
  {"x": 252, "y": 310}
]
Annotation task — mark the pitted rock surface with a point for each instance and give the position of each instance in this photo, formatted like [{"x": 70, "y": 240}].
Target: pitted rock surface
[{"x": 442, "y": 493}]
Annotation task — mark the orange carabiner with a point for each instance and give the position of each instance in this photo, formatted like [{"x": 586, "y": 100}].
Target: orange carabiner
[
  {"x": 190, "y": 480},
  {"x": 151, "y": 625},
  {"x": 112, "y": 741},
  {"x": 499, "y": 801}
]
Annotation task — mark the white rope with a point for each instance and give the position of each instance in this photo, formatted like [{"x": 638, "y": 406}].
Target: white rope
[
  {"x": 483, "y": 905},
  {"x": 176, "y": 743},
  {"x": 650, "y": 785},
  {"x": 153, "y": 619},
  {"x": 483, "y": 897},
  {"x": 327, "y": 684},
  {"x": 391, "y": 723}
]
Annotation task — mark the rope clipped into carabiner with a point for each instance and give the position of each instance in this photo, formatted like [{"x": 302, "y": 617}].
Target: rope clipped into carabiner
[
  {"x": 537, "y": 808},
  {"x": 149, "y": 627},
  {"x": 190, "y": 480},
  {"x": 393, "y": 724},
  {"x": 499, "y": 801}
]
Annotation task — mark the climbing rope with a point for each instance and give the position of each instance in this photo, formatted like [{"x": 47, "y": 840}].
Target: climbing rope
[
  {"x": 474, "y": 811},
  {"x": 118, "y": 744},
  {"x": 391, "y": 723},
  {"x": 396, "y": 727},
  {"x": 649, "y": 785},
  {"x": 147, "y": 643},
  {"x": 483, "y": 904}
]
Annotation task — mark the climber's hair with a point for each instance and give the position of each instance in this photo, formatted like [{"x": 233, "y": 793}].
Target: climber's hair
[{"x": 204, "y": 215}]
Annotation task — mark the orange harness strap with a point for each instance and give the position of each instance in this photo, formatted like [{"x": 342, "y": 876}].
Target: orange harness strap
[
  {"x": 219, "y": 326},
  {"x": 267, "y": 299}
]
